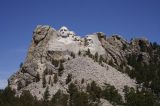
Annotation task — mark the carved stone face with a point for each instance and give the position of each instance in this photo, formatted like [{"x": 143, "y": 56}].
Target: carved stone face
[
  {"x": 71, "y": 34},
  {"x": 89, "y": 41},
  {"x": 64, "y": 31},
  {"x": 77, "y": 38}
]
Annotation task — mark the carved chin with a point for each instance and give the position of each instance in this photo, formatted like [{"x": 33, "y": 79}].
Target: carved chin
[
  {"x": 64, "y": 35},
  {"x": 89, "y": 45}
]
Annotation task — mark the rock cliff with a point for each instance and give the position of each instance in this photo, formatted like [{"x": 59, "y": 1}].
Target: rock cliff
[{"x": 96, "y": 57}]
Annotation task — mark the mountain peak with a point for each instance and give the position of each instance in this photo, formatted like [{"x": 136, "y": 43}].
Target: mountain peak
[{"x": 61, "y": 52}]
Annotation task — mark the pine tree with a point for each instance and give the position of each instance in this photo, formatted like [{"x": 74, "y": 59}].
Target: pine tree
[
  {"x": 37, "y": 77},
  {"x": 73, "y": 90},
  {"x": 96, "y": 56},
  {"x": 111, "y": 94},
  {"x": 27, "y": 82},
  {"x": 44, "y": 81},
  {"x": 55, "y": 78},
  {"x": 59, "y": 99},
  {"x": 27, "y": 99},
  {"x": 19, "y": 86},
  {"x": 100, "y": 59},
  {"x": 51, "y": 83},
  {"x": 60, "y": 70},
  {"x": 79, "y": 53},
  {"x": 49, "y": 80},
  {"x": 111, "y": 63},
  {"x": 69, "y": 78},
  {"x": 46, "y": 94},
  {"x": 73, "y": 55},
  {"x": 88, "y": 52},
  {"x": 21, "y": 64},
  {"x": 96, "y": 91},
  {"x": 55, "y": 62},
  {"x": 82, "y": 81}
]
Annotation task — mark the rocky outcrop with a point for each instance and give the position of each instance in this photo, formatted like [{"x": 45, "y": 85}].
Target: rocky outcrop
[{"x": 49, "y": 46}]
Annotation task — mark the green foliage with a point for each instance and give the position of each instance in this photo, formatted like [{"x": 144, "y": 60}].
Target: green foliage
[
  {"x": 132, "y": 59},
  {"x": 96, "y": 56},
  {"x": 111, "y": 94},
  {"x": 27, "y": 82},
  {"x": 49, "y": 81},
  {"x": 108, "y": 92},
  {"x": 60, "y": 70},
  {"x": 155, "y": 45},
  {"x": 55, "y": 78},
  {"x": 77, "y": 98},
  {"x": 79, "y": 53},
  {"x": 21, "y": 64},
  {"x": 46, "y": 94},
  {"x": 55, "y": 62},
  {"x": 59, "y": 99},
  {"x": 19, "y": 85},
  {"x": 111, "y": 63},
  {"x": 82, "y": 81},
  {"x": 26, "y": 99},
  {"x": 146, "y": 74},
  {"x": 44, "y": 81},
  {"x": 73, "y": 55},
  {"x": 46, "y": 72},
  {"x": 124, "y": 47},
  {"x": 94, "y": 91},
  {"x": 138, "y": 98},
  {"x": 7, "y": 98},
  {"x": 155, "y": 85},
  {"x": 37, "y": 77},
  {"x": 88, "y": 52},
  {"x": 81, "y": 99},
  {"x": 72, "y": 90},
  {"x": 143, "y": 46},
  {"x": 101, "y": 59},
  {"x": 69, "y": 78}
]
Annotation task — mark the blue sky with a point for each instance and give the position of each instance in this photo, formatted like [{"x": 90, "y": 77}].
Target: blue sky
[{"x": 18, "y": 18}]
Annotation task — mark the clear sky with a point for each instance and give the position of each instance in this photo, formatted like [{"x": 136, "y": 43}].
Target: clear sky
[{"x": 18, "y": 18}]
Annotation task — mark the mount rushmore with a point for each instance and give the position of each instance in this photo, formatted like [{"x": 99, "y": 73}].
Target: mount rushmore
[{"x": 78, "y": 57}]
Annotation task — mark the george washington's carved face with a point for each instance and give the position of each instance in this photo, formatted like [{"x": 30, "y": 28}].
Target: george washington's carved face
[{"x": 64, "y": 31}]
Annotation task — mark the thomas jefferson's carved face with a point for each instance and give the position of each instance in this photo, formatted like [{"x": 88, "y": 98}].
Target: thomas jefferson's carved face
[
  {"x": 89, "y": 41},
  {"x": 71, "y": 34}
]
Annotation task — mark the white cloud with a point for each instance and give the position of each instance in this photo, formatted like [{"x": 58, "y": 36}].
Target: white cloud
[{"x": 3, "y": 83}]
